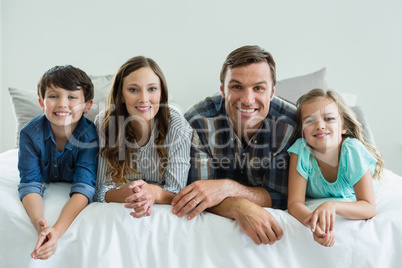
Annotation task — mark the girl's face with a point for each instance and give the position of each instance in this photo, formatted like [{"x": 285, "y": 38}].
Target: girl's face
[
  {"x": 322, "y": 124},
  {"x": 142, "y": 95}
]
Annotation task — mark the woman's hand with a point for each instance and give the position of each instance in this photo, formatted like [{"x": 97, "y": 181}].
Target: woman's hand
[
  {"x": 323, "y": 217},
  {"x": 142, "y": 198}
]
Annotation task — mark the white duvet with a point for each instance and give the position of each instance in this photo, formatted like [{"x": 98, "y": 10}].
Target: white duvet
[{"x": 105, "y": 235}]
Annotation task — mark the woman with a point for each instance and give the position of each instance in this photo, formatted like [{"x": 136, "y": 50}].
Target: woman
[{"x": 145, "y": 145}]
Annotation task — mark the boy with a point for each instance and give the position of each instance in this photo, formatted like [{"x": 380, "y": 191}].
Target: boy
[{"x": 59, "y": 146}]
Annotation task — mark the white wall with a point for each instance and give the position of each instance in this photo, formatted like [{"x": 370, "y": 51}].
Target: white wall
[{"x": 358, "y": 41}]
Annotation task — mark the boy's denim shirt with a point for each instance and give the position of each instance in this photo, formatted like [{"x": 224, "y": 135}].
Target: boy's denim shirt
[{"x": 38, "y": 162}]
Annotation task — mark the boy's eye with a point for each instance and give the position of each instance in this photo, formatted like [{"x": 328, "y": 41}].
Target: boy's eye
[
  {"x": 72, "y": 97},
  {"x": 52, "y": 97}
]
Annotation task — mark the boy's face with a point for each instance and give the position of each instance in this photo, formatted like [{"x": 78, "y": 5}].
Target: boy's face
[{"x": 64, "y": 108}]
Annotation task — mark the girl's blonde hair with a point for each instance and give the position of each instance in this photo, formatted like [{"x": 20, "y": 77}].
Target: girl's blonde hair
[
  {"x": 352, "y": 125},
  {"x": 117, "y": 132}
]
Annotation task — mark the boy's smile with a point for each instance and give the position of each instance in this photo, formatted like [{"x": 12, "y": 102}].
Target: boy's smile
[{"x": 64, "y": 108}]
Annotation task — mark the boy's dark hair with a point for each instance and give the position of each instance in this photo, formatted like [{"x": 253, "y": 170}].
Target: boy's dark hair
[{"x": 67, "y": 77}]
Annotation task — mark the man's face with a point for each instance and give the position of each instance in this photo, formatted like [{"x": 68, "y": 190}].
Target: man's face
[{"x": 248, "y": 91}]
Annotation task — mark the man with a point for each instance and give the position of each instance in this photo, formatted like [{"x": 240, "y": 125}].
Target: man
[{"x": 239, "y": 151}]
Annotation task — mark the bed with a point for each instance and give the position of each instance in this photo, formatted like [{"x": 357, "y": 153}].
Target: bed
[{"x": 105, "y": 235}]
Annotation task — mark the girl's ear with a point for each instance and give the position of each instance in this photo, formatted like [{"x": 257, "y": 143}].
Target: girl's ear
[{"x": 88, "y": 106}]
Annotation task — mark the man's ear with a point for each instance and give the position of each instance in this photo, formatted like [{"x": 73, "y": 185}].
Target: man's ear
[
  {"x": 272, "y": 93},
  {"x": 222, "y": 91},
  {"x": 42, "y": 104},
  {"x": 88, "y": 106}
]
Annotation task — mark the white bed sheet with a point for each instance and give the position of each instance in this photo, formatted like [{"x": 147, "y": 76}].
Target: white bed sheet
[{"x": 105, "y": 235}]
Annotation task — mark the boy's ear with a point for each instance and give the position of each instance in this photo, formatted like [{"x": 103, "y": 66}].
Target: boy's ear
[
  {"x": 42, "y": 104},
  {"x": 88, "y": 106}
]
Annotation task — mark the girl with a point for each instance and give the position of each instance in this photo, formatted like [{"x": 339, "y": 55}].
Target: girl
[
  {"x": 145, "y": 145},
  {"x": 331, "y": 160}
]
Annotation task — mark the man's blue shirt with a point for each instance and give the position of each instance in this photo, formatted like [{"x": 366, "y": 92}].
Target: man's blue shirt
[{"x": 38, "y": 162}]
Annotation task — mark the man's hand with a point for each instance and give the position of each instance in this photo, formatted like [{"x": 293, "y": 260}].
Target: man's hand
[
  {"x": 199, "y": 196},
  {"x": 257, "y": 223}
]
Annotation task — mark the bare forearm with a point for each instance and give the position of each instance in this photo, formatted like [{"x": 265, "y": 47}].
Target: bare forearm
[
  {"x": 69, "y": 212},
  {"x": 163, "y": 196},
  {"x": 229, "y": 207},
  {"x": 299, "y": 210},
  {"x": 359, "y": 210},
  {"x": 117, "y": 195},
  {"x": 33, "y": 204},
  {"x": 257, "y": 195}
]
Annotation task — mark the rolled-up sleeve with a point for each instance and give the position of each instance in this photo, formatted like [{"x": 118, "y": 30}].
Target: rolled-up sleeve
[
  {"x": 29, "y": 167},
  {"x": 84, "y": 181}
]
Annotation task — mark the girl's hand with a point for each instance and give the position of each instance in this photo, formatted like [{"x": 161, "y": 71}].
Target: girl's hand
[
  {"x": 47, "y": 243},
  {"x": 323, "y": 217},
  {"x": 142, "y": 198},
  {"x": 328, "y": 240}
]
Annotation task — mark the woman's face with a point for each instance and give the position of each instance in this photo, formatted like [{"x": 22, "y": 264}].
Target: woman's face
[{"x": 142, "y": 94}]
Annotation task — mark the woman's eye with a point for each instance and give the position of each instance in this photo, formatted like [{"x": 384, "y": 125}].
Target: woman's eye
[
  {"x": 132, "y": 89},
  {"x": 152, "y": 88}
]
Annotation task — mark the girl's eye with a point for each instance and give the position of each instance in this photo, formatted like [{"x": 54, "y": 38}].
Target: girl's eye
[{"x": 330, "y": 118}]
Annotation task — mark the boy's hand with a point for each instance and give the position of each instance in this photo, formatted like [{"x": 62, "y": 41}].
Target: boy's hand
[{"x": 47, "y": 242}]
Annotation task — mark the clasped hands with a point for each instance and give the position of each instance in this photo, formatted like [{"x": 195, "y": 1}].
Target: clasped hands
[
  {"x": 141, "y": 198},
  {"x": 321, "y": 222}
]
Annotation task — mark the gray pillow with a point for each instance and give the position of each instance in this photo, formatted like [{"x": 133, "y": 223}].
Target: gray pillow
[
  {"x": 292, "y": 88},
  {"x": 26, "y": 105}
]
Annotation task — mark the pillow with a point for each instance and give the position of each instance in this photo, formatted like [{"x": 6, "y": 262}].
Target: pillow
[
  {"x": 292, "y": 88},
  {"x": 26, "y": 105}
]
